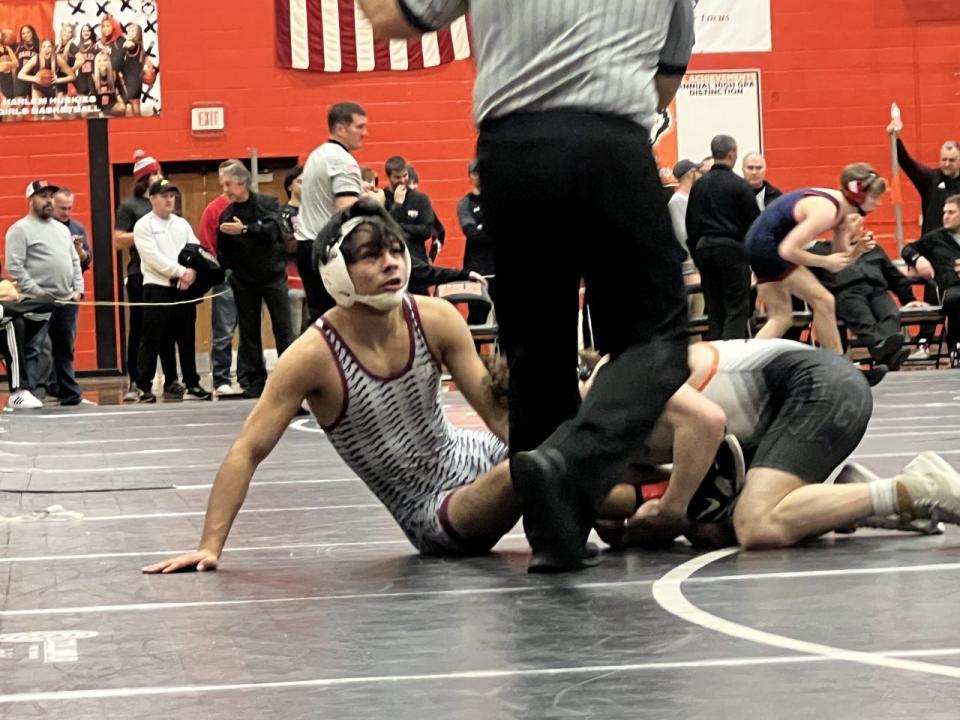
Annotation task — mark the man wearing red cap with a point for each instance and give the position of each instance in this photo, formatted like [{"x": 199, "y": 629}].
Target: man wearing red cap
[{"x": 146, "y": 170}]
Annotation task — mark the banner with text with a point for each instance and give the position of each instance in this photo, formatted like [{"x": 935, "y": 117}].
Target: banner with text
[
  {"x": 68, "y": 59},
  {"x": 707, "y": 104},
  {"x": 725, "y": 26}
]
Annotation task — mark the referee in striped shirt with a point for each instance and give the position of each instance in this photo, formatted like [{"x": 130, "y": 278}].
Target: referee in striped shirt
[{"x": 565, "y": 95}]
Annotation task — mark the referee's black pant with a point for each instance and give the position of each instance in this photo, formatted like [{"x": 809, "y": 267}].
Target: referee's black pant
[{"x": 570, "y": 195}]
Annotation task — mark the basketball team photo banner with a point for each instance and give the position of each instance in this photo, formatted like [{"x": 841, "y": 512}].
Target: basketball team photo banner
[{"x": 79, "y": 59}]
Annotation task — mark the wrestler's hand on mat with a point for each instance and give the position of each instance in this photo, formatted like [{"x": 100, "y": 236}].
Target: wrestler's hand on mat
[{"x": 201, "y": 560}]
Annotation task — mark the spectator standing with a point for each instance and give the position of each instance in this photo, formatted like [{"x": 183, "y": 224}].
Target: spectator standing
[
  {"x": 755, "y": 173},
  {"x": 478, "y": 252},
  {"x": 685, "y": 172},
  {"x": 224, "y": 308},
  {"x": 159, "y": 237},
  {"x": 721, "y": 209},
  {"x": 146, "y": 171},
  {"x": 410, "y": 208},
  {"x": 250, "y": 247},
  {"x": 289, "y": 220},
  {"x": 43, "y": 261}
]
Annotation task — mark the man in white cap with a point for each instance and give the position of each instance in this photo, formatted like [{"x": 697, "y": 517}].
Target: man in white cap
[
  {"x": 43, "y": 262},
  {"x": 160, "y": 235}
]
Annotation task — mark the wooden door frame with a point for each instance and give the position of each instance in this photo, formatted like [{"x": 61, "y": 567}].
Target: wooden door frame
[{"x": 201, "y": 167}]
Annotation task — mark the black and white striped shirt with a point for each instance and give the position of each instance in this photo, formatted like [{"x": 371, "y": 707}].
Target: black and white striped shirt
[{"x": 599, "y": 55}]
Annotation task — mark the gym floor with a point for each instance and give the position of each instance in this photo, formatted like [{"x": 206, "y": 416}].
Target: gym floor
[{"x": 321, "y": 608}]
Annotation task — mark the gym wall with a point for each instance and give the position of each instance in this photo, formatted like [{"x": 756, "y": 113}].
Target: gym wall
[{"x": 826, "y": 90}]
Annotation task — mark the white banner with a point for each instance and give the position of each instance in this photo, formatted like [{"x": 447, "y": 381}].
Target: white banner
[
  {"x": 707, "y": 104},
  {"x": 724, "y": 26}
]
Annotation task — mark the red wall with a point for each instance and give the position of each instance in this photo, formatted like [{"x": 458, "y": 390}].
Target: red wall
[{"x": 827, "y": 89}]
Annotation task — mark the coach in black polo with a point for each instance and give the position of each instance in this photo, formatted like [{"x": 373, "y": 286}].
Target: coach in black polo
[{"x": 565, "y": 97}]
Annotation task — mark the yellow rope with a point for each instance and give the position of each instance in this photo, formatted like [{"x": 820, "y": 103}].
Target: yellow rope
[{"x": 123, "y": 303}]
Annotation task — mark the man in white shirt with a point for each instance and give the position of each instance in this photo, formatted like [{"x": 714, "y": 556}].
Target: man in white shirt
[{"x": 160, "y": 236}]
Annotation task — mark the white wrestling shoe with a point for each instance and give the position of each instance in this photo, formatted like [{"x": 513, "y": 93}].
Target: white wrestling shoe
[
  {"x": 933, "y": 488},
  {"x": 856, "y": 473}
]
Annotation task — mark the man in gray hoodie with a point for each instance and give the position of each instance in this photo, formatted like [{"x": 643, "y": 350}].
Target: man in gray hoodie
[{"x": 42, "y": 260}]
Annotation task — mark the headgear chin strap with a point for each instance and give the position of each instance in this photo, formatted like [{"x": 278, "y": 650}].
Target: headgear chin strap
[
  {"x": 856, "y": 191},
  {"x": 336, "y": 277}
]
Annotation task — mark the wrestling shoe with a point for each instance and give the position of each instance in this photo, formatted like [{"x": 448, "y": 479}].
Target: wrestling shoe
[
  {"x": 715, "y": 498},
  {"x": 929, "y": 487},
  {"x": 857, "y": 473}
]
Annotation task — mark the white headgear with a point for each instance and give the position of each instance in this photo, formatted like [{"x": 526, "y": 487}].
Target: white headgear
[{"x": 336, "y": 277}]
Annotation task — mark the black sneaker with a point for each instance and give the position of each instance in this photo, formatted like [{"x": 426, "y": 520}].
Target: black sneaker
[
  {"x": 886, "y": 347},
  {"x": 896, "y": 361},
  {"x": 875, "y": 374},
  {"x": 720, "y": 489},
  {"x": 173, "y": 391},
  {"x": 197, "y": 393},
  {"x": 554, "y": 519},
  {"x": 147, "y": 397}
]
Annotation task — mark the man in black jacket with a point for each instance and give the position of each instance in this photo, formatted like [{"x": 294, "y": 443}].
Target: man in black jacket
[
  {"x": 478, "y": 253},
  {"x": 250, "y": 249},
  {"x": 937, "y": 255},
  {"x": 410, "y": 208},
  {"x": 721, "y": 208},
  {"x": 755, "y": 173},
  {"x": 862, "y": 292}
]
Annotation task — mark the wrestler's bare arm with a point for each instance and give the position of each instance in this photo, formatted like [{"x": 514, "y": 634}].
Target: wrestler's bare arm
[
  {"x": 450, "y": 338},
  {"x": 299, "y": 374}
]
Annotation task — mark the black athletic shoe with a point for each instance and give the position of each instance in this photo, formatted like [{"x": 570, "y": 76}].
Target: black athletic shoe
[
  {"x": 197, "y": 393},
  {"x": 875, "y": 374},
  {"x": 556, "y": 523},
  {"x": 896, "y": 361},
  {"x": 886, "y": 347},
  {"x": 173, "y": 391},
  {"x": 714, "y": 500},
  {"x": 147, "y": 397}
]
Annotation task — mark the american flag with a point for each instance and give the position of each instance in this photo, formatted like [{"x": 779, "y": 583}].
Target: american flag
[{"x": 335, "y": 36}]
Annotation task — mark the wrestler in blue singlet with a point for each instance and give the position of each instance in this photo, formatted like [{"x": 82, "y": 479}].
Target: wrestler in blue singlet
[{"x": 769, "y": 230}]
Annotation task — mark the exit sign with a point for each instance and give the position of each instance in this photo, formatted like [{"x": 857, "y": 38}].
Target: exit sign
[{"x": 207, "y": 120}]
